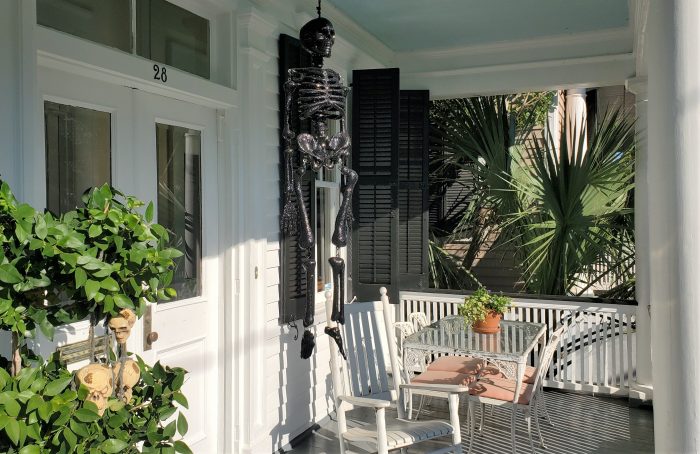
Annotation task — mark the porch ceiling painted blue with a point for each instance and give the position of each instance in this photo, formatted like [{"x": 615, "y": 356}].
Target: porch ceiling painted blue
[{"x": 406, "y": 25}]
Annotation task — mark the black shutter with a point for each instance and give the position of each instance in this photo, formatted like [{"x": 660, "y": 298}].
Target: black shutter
[
  {"x": 413, "y": 189},
  {"x": 293, "y": 285},
  {"x": 375, "y": 139}
]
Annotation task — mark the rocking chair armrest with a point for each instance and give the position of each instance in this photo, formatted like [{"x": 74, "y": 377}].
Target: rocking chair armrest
[
  {"x": 365, "y": 402},
  {"x": 447, "y": 389}
]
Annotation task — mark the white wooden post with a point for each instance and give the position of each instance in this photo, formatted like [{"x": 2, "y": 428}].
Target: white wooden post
[
  {"x": 643, "y": 388},
  {"x": 674, "y": 221},
  {"x": 575, "y": 119},
  {"x": 393, "y": 355}
]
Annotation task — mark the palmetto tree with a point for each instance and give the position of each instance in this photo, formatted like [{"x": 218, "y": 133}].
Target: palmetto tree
[
  {"x": 566, "y": 211},
  {"x": 573, "y": 219}
]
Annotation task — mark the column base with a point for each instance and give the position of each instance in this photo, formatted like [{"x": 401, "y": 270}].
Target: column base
[{"x": 641, "y": 394}]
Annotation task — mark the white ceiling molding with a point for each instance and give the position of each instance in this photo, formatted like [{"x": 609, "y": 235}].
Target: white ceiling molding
[
  {"x": 597, "y": 71},
  {"x": 603, "y": 42}
]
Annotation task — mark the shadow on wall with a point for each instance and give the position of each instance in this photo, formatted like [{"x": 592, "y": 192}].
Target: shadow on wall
[{"x": 303, "y": 387}]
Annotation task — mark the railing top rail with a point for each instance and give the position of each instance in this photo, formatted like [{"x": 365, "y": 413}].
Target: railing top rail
[{"x": 535, "y": 301}]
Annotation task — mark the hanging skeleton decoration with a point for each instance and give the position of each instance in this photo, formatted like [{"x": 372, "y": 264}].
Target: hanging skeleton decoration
[{"x": 318, "y": 95}]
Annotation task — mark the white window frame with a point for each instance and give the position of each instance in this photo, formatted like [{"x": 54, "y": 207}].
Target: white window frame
[
  {"x": 69, "y": 53},
  {"x": 329, "y": 212}
]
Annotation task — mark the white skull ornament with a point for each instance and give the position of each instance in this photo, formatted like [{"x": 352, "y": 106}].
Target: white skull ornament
[
  {"x": 98, "y": 380},
  {"x": 121, "y": 325},
  {"x": 129, "y": 378}
]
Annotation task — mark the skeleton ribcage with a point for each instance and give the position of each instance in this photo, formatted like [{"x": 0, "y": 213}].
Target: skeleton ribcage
[{"x": 320, "y": 92}]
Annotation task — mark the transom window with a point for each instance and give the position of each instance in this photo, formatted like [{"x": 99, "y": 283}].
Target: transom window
[{"x": 178, "y": 37}]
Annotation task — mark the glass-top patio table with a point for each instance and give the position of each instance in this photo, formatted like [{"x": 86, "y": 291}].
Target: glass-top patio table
[{"x": 508, "y": 349}]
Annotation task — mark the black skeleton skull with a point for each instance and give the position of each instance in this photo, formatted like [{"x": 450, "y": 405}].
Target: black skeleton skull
[{"x": 317, "y": 37}]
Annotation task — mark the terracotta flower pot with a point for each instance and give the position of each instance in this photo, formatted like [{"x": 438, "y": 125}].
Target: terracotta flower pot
[{"x": 490, "y": 325}]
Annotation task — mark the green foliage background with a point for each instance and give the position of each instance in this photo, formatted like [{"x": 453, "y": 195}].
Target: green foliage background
[{"x": 567, "y": 210}]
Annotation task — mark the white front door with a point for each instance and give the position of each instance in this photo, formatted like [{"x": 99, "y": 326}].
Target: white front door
[
  {"x": 176, "y": 157},
  {"x": 161, "y": 150}
]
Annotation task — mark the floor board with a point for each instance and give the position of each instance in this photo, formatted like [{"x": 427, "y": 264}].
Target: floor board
[{"x": 583, "y": 424}]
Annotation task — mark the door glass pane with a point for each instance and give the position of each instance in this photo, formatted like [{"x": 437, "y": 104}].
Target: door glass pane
[
  {"x": 179, "y": 202},
  {"x": 106, "y": 22},
  {"x": 78, "y": 148},
  {"x": 172, "y": 35}
]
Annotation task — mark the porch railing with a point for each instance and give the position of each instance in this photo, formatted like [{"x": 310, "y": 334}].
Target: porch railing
[{"x": 597, "y": 355}]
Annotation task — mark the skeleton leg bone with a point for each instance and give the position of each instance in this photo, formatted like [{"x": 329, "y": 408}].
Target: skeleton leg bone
[
  {"x": 310, "y": 267},
  {"x": 338, "y": 267},
  {"x": 344, "y": 217}
]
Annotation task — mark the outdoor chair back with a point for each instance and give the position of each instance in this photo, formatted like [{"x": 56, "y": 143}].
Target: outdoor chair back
[
  {"x": 368, "y": 362},
  {"x": 364, "y": 380}
]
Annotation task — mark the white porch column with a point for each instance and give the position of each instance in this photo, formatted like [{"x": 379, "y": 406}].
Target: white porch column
[
  {"x": 575, "y": 118},
  {"x": 256, "y": 51},
  {"x": 674, "y": 221},
  {"x": 643, "y": 387}
]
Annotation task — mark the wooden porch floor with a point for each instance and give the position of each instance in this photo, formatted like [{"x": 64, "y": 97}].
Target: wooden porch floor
[{"x": 583, "y": 424}]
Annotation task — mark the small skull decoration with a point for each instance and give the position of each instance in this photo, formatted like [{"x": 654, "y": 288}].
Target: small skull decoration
[
  {"x": 121, "y": 325},
  {"x": 98, "y": 380},
  {"x": 128, "y": 379}
]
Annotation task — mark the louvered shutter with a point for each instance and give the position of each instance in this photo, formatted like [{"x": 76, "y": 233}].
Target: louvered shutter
[
  {"x": 413, "y": 189},
  {"x": 375, "y": 138},
  {"x": 293, "y": 285}
]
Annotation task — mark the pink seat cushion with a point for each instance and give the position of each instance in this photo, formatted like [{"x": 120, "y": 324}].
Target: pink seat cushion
[
  {"x": 459, "y": 364},
  {"x": 441, "y": 377},
  {"x": 501, "y": 389},
  {"x": 493, "y": 372}
]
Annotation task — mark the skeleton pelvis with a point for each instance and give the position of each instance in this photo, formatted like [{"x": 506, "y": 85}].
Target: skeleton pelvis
[{"x": 323, "y": 148}]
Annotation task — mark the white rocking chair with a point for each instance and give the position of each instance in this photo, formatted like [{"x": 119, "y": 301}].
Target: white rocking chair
[{"x": 363, "y": 381}]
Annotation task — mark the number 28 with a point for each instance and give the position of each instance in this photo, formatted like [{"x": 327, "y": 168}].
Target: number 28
[{"x": 160, "y": 73}]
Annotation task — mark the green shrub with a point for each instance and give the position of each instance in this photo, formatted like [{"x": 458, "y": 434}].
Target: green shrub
[{"x": 92, "y": 261}]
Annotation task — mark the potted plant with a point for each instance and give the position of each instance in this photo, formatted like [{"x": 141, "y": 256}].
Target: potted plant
[{"x": 484, "y": 310}]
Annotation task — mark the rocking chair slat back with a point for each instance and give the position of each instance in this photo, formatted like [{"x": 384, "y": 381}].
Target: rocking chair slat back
[{"x": 365, "y": 334}]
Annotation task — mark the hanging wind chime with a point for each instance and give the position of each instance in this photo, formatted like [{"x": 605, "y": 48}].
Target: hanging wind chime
[{"x": 318, "y": 95}]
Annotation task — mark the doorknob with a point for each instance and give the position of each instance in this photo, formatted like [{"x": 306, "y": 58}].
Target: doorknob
[{"x": 151, "y": 337}]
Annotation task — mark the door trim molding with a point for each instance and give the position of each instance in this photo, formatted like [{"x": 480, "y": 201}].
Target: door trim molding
[{"x": 77, "y": 56}]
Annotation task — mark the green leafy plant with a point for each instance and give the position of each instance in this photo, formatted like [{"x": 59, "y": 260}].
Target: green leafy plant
[
  {"x": 125, "y": 262},
  {"x": 53, "y": 270},
  {"x": 574, "y": 209},
  {"x": 566, "y": 212},
  {"x": 480, "y": 303},
  {"x": 43, "y": 411}
]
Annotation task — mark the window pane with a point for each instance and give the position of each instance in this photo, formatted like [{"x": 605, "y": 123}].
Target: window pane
[
  {"x": 326, "y": 210},
  {"x": 78, "y": 147},
  {"x": 179, "y": 202},
  {"x": 106, "y": 22},
  {"x": 172, "y": 35}
]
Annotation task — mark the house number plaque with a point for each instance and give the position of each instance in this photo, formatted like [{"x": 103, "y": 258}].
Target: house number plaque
[{"x": 161, "y": 73}]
